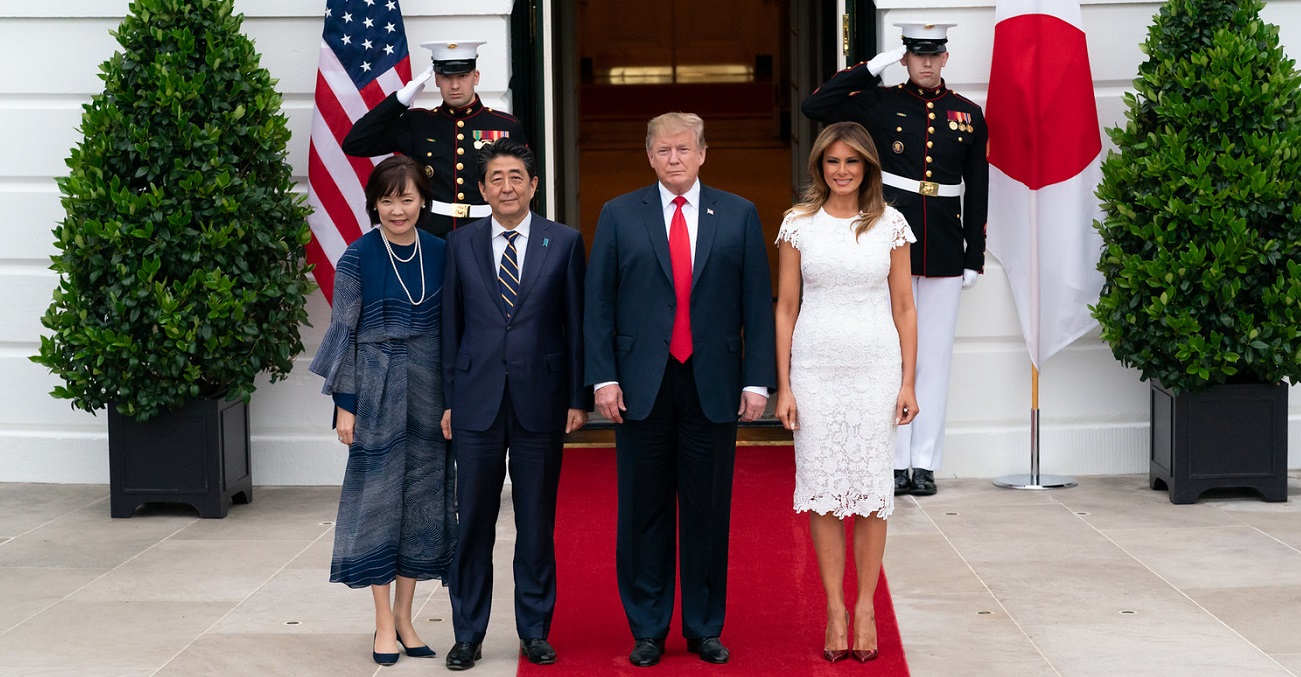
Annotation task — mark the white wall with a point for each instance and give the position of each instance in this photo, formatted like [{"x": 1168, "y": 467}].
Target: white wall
[
  {"x": 1094, "y": 412},
  {"x": 44, "y": 440}
]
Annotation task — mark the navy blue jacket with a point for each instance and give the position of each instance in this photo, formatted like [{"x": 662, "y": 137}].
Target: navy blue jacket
[
  {"x": 540, "y": 347},
  {"x": 630, "y": 302}
]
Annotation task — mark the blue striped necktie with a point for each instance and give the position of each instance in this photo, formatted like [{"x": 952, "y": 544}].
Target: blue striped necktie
[{"x": 508, "y": 273}]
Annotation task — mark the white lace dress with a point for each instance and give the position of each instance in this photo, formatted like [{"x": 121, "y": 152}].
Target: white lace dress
[{"x": 845, "y": 364}]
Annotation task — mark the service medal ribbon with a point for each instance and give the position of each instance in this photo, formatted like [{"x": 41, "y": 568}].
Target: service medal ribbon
[{"x": 489, "y": 135}]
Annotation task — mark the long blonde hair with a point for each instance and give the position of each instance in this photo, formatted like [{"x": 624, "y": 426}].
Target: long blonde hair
[{"x": 871, "y": 202}]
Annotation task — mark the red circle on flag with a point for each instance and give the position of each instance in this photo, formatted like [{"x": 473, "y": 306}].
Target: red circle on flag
[{"x": 1043, "y": 121}]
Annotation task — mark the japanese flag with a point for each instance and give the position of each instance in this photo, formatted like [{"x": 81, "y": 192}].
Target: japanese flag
[{"x": 1045, "y": 154}]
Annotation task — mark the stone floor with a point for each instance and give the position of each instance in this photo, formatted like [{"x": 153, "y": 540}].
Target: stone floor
[{"x": 1108, "y": 578}]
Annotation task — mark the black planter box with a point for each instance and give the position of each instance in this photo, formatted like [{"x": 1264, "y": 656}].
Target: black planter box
[
  {"x": 197, "y": 455},
  {"x": 1227, "y": 436}
]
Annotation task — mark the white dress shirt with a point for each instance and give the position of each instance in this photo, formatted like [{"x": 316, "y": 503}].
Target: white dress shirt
[
  {"x": 521, "y": 242},
  {"x": 690, "y": 211}
]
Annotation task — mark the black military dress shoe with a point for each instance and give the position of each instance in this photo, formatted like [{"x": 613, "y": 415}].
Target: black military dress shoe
[
  {"x": 538, "y": 651},
  {"x": 709, "y": 649},
  {"x": 923, "y": 483},
  {"x": 902, "y": 484},
  {"x": 646, "y": 652},
  {"x": 463, "y": 655}
]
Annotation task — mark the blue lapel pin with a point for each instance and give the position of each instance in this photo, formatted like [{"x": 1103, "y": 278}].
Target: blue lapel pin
[{"x": 546, "y": 241}]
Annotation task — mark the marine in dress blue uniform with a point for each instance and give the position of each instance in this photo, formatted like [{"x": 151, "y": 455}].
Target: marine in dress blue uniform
[
  {"x": 444, "y": 140},
  {"x": 932, "y": 144}
]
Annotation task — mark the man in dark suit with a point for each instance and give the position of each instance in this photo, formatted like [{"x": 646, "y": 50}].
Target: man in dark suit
[
  {"x": 680, "y": 344},
  {"x": 513, "y": 379}
]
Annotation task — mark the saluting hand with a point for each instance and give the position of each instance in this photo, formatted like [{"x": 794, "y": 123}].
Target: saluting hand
[
  {"x": 408, "y": 94},
  {"x": 885, "y": 59}
]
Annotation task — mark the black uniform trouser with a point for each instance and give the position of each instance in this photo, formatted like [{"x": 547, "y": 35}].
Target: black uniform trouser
[{"x": 674, "y": 453}]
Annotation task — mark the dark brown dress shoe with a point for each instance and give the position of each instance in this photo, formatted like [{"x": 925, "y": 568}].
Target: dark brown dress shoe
[
  {"x": 538, "y": 651},
  {"x": 709, "y": 649},
  {"x": 646, "y": 652},
  {"x": 463, "y": 655},
  {"x": 923, "y": 483},
  {"x": 902, "y": 484}
]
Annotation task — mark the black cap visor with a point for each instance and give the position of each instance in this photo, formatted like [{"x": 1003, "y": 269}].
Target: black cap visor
[
  {"x": 454, "y": 66},
  {"x": 925, "y": 46}
]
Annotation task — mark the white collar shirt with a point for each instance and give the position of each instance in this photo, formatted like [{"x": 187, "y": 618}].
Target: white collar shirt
[
  {"x": 521, "y": 242},
  {"x": 690, "y": 211}
]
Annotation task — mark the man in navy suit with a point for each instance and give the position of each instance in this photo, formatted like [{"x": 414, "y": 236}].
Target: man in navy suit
[
  {"x": 513, "y": 379},
  {"x": 680, "y": 345}
]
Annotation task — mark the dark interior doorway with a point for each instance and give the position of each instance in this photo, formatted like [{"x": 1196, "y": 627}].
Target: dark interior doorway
[{"x": 742, "y": 65}]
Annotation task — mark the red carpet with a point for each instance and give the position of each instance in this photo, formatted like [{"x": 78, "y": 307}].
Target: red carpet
[{"x": 776, "y": 613}]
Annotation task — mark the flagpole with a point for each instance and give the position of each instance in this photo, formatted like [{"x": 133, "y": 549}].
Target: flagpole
[{"x": 1034, "y": 480}]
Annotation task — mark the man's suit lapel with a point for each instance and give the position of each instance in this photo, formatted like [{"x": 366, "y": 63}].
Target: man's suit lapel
[
  {"x": 653, "y": 216},
  {"x": 481, "y": 253},
  {"x": 535, "y": 257},
  {"x": 706, "y": 229}
]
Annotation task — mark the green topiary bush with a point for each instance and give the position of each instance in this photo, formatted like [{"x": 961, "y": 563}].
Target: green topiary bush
[
  {"x": 181, "y": 257},
  {"x": 1202, "y": 202}
]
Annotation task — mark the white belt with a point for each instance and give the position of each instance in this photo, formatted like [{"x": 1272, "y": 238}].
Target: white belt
[
  {"x": 459, "y": 210},
  {"x": 927, "y": 188}
]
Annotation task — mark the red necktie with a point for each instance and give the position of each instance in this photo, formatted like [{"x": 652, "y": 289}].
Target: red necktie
[{"x": 680, "y": 254}]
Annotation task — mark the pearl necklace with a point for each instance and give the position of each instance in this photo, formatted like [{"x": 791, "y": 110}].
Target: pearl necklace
[{"x": 393, "y": 261}]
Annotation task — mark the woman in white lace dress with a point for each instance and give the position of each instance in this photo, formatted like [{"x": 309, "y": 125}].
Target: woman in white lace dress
[{"x": 846, "y": 349}]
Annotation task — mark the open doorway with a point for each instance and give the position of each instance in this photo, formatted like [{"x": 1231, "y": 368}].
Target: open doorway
[{"x": 742, "y": 65}]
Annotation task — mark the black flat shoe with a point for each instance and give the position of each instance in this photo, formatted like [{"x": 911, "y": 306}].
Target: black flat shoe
[
  {"x": 646, "y": 652},
  {"x": 381, "y": 658},
  {"x": 417, "y": 651},
  {"x": 463, "y": 655},
  {"x": 923, "y": 483},
  {"x": 709, "y": 649},
  {"x": 902, "y": 484},
  {"x": 538, "y": 651}
]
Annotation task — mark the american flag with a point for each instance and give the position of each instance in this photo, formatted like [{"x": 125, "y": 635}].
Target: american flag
[{"x": 363, "y": 59}]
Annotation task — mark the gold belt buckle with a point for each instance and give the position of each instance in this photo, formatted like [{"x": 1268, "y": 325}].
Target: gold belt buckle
[
  {"x": 928, "y": 188},
  {"x": 460, "y": 211}
]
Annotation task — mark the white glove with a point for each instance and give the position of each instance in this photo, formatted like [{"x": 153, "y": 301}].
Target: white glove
[
  {"x": 408, "y": 94},
  {"x": 880, "y": 61},
  {"x": 969, "y": 278}
]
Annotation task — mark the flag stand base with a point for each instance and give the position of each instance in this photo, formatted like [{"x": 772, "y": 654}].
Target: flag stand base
[{"x": 1034, "y": 482}]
